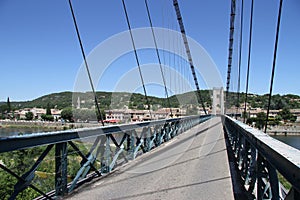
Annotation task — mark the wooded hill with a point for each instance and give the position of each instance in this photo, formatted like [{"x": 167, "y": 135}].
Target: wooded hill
[
  {"x": 108, "y": 100},
  {"x": 118, "y": 100}
]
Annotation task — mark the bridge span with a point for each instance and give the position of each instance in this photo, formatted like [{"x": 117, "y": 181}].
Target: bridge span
[
  {"x": 195, "y": 157},
  {"x": 194, "y": 165}
]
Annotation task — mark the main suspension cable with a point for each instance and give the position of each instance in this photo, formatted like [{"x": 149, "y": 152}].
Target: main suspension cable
[
  {"x": 230, "y": 50},
  {"x": 249, "y": 59},
  {"x": 188, "y": 52},
  {"x": 136, "y": 57},
  {"x": 86, "y": 64},
  {"x": 158, "y": 57},
  {"x": 274, "y": 63}
]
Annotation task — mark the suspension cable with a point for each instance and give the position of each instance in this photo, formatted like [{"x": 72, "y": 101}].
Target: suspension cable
[
  {"x": 240, "y": 60},
  {"x": 158, "y": 57},
  {"x": 86, "y": 64},
  {"x": 188, "y": 52},
  {"x": 136, "y": 58},
  {"x": 274, "y": 63},
  {"x": 230, "y": 50},
  {"x": 249, "y": 59}
]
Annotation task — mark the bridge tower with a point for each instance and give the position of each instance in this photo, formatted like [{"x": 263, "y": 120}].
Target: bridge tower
[{"x": 218, "y": 101}]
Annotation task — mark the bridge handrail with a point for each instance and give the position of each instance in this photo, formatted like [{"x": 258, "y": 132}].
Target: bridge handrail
[
  {"x": 110, "y": 146},
  {"x": 38, "y": 139},
  {"x": 282, "y": 157}
]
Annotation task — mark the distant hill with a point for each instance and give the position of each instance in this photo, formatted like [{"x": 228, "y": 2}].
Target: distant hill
[
  {"x": 107, "y": 100},
  {"x": 290, "y": 101},
  {"x": 114, "y": 100}
]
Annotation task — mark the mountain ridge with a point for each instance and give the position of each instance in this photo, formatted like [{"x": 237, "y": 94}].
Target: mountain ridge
[{"x": 110, "y": 100}]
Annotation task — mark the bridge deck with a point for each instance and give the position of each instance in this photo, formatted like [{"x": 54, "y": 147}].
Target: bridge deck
[{"x": 193, "y": 165}]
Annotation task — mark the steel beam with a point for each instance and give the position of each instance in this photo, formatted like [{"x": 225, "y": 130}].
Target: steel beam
[
  {"x": 61, "y": 164},
  {"x": 262, "y": 159}
]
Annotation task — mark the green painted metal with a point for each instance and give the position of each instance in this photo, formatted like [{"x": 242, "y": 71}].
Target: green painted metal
[
  {"x": 258, "y": 160},
  {"x": 112, "y": 146},
  {"x": 61, "y": 164}
]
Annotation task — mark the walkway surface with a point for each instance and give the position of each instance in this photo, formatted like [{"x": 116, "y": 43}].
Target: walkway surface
[{"x": 194, "y": 165}]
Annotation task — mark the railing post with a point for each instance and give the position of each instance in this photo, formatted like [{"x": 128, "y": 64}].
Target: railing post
[
  {"x": 158, "y": 136},
  {"x": 273, "y": 181},
  {"x": 105, "y": 164},
  {"x": 147, "y": 133},
  {"x": 61, "y": 163}
]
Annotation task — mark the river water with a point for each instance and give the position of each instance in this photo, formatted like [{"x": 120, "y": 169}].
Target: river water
[
  {"x": 292, "y": 140},
  {"x": 6, "y": 132}
]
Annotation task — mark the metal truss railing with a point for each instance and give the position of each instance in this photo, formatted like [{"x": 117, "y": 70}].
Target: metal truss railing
[
  {"x": 259, "y": 158},
  {"x": 106, "y": 147}
]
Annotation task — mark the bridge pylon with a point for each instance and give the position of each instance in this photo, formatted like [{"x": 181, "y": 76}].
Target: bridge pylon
[{"x": 218, "y": 101}]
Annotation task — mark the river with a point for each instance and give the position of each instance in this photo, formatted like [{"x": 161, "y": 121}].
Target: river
[
  {"x": 6, "y": 132},
  {"x": 292, "y": 140}
]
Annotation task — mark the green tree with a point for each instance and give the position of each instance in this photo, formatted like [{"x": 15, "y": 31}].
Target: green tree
[
  {"x": 251, "y": 120},
  {"x": 102, "y": 112},
  {"x": 29, "y": 116},
  {"x": 67, "y": 114},
  {"x": 245, "y": 114},
  {"x": 47, "y": 117},
  {"x": 18, "y": 161},
  {"x": 85, "y": 115},
  {"x": 8, "y": 105},
  {"x": 3, "y": 108},
  {"x": 286, "y": 115},
  {"x": 192, "y": 111},
  {"x": 293, "y": 118},
  {"x": 260, "y": 120},
  {"x": 48, "y": 109}
]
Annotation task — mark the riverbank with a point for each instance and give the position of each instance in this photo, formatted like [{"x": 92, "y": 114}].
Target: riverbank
[
  {"x": 283, "y": 133},
  {"x": 44, "y": 125}
]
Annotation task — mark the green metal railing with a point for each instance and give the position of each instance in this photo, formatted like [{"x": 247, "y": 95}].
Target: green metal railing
[
  {"x": 259, "y": 158},
  {"x": 98, "y": 151}
]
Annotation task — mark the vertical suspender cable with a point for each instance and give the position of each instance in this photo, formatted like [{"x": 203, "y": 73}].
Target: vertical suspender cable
[
  {"x": 240, "y": 60},
  {"x": 188, "y": 52},
  {"x": 274, "y": 62},
  {"x": 249, "y": 58},
  {"x": 136, "y": 57},
  {"x": 86, "y": 64},
  {"x": 230, "y": 50},
  {"x": 158, "y": 57}
]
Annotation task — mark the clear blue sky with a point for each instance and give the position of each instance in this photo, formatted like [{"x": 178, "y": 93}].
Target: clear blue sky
[{"x": 39, "y": 51}]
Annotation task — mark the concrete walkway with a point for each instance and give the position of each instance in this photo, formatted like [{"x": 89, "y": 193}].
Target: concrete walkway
[{"x": 194, "y": 165}]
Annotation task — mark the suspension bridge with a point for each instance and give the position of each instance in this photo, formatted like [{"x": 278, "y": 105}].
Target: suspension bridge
[{"x": 207, "y": 156}]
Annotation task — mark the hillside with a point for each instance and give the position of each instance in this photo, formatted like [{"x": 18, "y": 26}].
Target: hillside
[
  {"x": 118, "y": 100},
  {"x": 107, "y": 100},
  {"x": 290, "y": 101}
]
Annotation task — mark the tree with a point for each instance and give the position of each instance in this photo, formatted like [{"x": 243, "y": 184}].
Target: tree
[
  {"x": 192, "y": 110},
  {"x": 8, "y": 105},
  {"x": 260, "y": 120},
  {"x": 19, "y": 161},
  {"x": 47, "y": 117},
  {"x": 85, "y": 115},
  {"x": 29, "y": 116},
  {"x": 245, "y": 115},
  {"x": 3, "y": 108},
  {"x": 251, "y": 120},
  {"x": 102, "y": 113},
  {"x": 48, "y": 109},
  {"x": 67, "y": 114},
  {"x": 286, "y": 115},
  {"x": 293, "y": 118}
]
